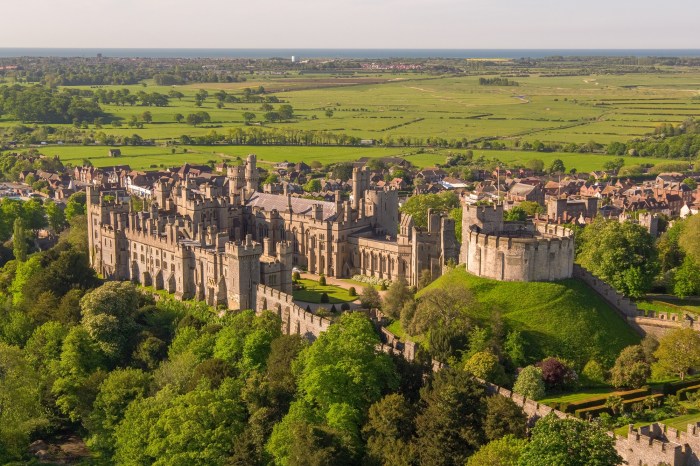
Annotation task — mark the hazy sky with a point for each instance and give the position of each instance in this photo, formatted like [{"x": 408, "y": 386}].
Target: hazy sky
[{"x": 351, "y": 23}]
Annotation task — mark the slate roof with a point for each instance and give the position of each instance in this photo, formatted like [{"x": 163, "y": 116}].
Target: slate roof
[{"x": 269, "y": 202}]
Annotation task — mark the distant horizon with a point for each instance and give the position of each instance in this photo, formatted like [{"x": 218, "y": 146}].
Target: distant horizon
[{"x": 337, "y": 52}]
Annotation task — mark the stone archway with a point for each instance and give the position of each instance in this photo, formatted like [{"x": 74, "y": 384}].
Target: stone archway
[{"x": 172, "y": 283}]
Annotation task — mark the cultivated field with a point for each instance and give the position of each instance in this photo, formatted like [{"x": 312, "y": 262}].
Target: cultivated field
[{"x": 389, "y": 107}]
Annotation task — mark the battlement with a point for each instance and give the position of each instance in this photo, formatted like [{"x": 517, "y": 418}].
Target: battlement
[{"x": 243, "y": 248}]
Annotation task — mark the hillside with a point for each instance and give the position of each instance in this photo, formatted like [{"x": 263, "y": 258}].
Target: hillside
[{"x": 563, "y": 318}]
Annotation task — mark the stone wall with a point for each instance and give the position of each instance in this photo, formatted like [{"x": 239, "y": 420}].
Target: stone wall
[
  {"x": 658, "y": 444},
  {"x": 654, "y": 323},
  {"x": 295, "y": 320}
]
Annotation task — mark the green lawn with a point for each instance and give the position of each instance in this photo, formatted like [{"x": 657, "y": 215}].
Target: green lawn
[
  {"x": 312, "y": 293},
  {"x": 564, "y": 318},
  {"x": 578, "y": 396},
  {"x": 679, "y": 422}
]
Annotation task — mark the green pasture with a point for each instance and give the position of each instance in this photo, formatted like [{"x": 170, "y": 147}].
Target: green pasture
[
  {"x": 602, "y": 108},
  {"x": 139, "y": 158}
]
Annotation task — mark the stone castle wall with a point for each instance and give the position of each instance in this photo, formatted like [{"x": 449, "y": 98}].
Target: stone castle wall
[
  {"x": 295, "y": 320},
  {"x": 519, "y": 259},
  {"x": 514, "y": 251},
  {"x": 654, "y": 323}
]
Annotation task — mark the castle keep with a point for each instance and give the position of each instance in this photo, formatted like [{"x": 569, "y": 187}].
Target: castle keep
[
  {"x": 220, "y": 241},
  {"x": 514, "y": 251}
]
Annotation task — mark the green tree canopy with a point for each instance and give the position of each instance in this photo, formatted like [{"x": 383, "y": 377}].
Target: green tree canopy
[
  {"x": 678, "y": 352},
  {"x": 569, "y": 441},
  {"x": 417, "y": 206},
  {"x": 622, "y": 254}
]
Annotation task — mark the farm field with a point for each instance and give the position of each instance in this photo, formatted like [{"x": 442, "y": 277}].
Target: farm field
[
  {"x": 140, "y": 158},
  {"x": 580, "y": 109}
]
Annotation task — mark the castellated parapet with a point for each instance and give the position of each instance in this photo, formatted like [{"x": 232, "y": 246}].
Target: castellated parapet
[{"x": 514, "y": 251}]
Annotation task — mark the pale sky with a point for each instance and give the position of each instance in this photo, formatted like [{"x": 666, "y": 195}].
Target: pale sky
[{"x": 461, "y": 24}]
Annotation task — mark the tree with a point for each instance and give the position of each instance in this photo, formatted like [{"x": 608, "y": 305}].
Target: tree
[
  {"x": 108, "y": 316},
  {"x": 417, "y": 206},
  {"x": 504, "y": 417},
  {"x": 556, "y": 374},
  {"x": 179, "y": 117},
  {"x": 631, "y": 368},
  {"x": 485, "y": 366},
  {"x": 614, "y": 165},
  {"x": 454, "y": 412},
  {"x": 621, "y": 254},
  {"x": 388, "y": 432},
  {"x": 313, "y": 185},
  {"x": 248, "y": 117},
  {"x": 147, "y": 117},
  {"x": 686, "y": 280},
  {"x": 514, "y": 347},
  {"x": 338, "y": 378},
  {"x": 329, "y": 112},
  {"x": 56, "y": 216},
  {"x": 286, "y": 112},
  {"x": 569, "y": 441},
  {"x": 21, "y": 412},
  {"x": 689, "y": 238},
  {"x": 678, "y": 352},
  {"x": 194, "y": 428},
  {"x": 19, "y": 240},
  {"x": 502, "y": 452},
  {"x": 446, "y": 307},
  {"x": 396, "y": 297},
  {"x": 75, "y": 205},
  {"x": 529, "y": 383},
  {"x": 515, "y": 214},
  {"x": 121, "y": 387},
  {"x": 369, "y": 297},
  {"x": 593, "y": 374},
  {"x": 536, "y": 165},
  {"x": 557, "y": 166},
  {"x": 343, "y": 365}
]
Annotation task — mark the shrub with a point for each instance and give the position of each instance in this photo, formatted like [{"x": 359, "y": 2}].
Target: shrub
[
  {"x": 631, "y": 368},
  {"x": 370, "y": 298},
  {"x": 371, "y": 280},
  {"x": 324, "y": 298},
  {"x": 485, "y": 365},
  {"x": 383, "y": 287},
  {"x": 529, "y": 383},
  {"x": 345, "y": 307},
  {"x": 352, "y": 291},
  {"x": 322, "y": 281},
  {"x": 323, "y": 312},
  {"x": 593, "y": 374},
  {"x": 296, "y": 276},
  {"x": 334, "y": 310},
  {"x": 556, "y": 374}
]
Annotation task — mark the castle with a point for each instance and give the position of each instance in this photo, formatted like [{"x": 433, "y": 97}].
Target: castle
[
  {"x": 514, "y": 251},
  {"x": 220, "y": 242}
]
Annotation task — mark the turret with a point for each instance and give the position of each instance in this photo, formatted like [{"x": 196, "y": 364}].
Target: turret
[{"x": 251, "y": 173}]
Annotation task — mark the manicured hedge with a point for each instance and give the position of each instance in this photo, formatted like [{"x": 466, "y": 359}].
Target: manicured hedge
[
  {"x": 683, "y": 393},
  {"x": 671, "y": 388},
  {"x": 600, "y": 400},
  {"x": 597, "y": 410}
]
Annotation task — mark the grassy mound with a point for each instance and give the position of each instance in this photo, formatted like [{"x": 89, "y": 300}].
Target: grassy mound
[{"x": 564, "y": 318}]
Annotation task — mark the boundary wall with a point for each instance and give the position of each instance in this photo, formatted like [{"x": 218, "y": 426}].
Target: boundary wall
[{"x": 654, "y": 323}]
